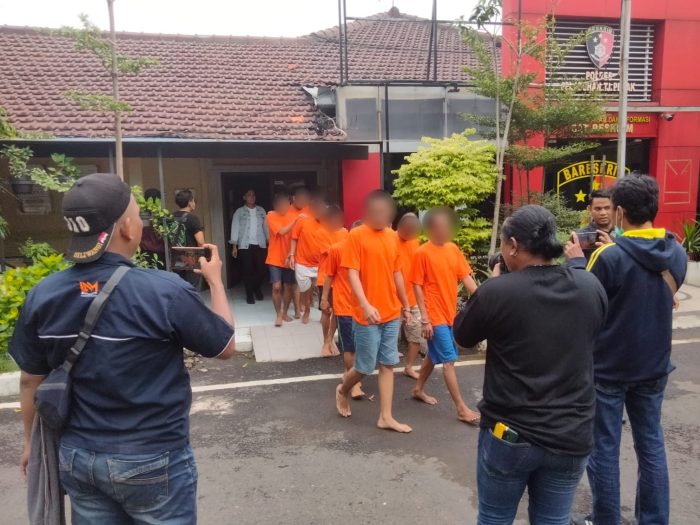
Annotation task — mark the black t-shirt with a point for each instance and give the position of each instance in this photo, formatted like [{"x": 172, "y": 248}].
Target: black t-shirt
[
  {"x": 541, "y": 324},
  {"x": 192, "y": 225}
]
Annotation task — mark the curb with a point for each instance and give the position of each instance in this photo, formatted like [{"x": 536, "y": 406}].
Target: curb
[{"x": 9, "y": 384}]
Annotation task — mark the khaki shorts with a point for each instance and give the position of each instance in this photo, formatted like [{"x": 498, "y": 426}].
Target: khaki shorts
[
  {"x": 413, "y": 330},
  {"x": 305, "y": 276}
]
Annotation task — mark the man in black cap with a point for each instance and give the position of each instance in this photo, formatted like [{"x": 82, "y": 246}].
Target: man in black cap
[{"x": 124, "y": 455}]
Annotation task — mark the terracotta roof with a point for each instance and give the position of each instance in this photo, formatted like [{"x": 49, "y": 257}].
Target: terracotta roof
[{"x": 211, "y": 87}]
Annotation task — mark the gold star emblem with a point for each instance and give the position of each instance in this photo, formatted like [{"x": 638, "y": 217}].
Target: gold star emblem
[
  {"x": 580, "y": 196},
  {"x": 596, "y": 185}
]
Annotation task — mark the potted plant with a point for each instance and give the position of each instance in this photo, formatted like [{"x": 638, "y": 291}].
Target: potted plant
[
  {"x": 17, "y": 158},
  {"x": 691, "y": 244}
]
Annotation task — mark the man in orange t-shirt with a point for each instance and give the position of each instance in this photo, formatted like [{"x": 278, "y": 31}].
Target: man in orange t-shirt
[
  {"x": 437, "y": 267},
  {"x": 280, "y": 222},
  {"x": 330, "y": 232},
  {"x": 408, "y": 230},
  {"x": 300, "y": 206},
  {"x": 371, "y": 257},
  {"x": 338, "y": 295},
  {"x": 305, "y": 254}
]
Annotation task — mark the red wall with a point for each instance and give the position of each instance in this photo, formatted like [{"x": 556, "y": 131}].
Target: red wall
[
  {"x": 675, "y": 153},
  {"x": 359, "y": 178}
]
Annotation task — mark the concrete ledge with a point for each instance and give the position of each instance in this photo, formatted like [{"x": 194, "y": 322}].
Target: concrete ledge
[{"x": 9, "y": 384}]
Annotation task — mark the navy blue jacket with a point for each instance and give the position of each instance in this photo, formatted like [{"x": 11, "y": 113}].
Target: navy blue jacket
[
  {"x": 635, "y": 343},
  {"x": 131, "y": 390}
]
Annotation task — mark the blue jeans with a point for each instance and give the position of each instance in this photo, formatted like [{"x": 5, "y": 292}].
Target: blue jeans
[
  {"x": 504, "y": 470},
  {"x": 643, "y": 401},
  {"x": 119, "y": 489},
  {"x": 376, "y": 343}
]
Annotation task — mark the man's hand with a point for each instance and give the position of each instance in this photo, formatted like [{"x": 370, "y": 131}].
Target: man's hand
[
  {"x": 572, "y": 249},
  {"x": 234, "y": 251},
  {"x": 291, "y": 261},
  {"x": 24, "y": 459},
  {"x": 325, "y": 306},
  {"x": 371, "y": 314},
  {"x": 603, "y": 238},
  {"x": 406, "y": 315},
  {"x": 211, "y": 269},
  {"x": 426, "y": 330}
]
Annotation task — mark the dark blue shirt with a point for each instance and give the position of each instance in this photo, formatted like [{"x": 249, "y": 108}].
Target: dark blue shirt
[{"x": 131, "y": 390}]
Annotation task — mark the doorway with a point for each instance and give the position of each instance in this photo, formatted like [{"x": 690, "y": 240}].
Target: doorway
[{"x": 233, "y": 187}]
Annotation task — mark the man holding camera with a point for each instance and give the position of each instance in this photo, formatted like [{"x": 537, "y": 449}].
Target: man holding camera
[
  {"x": 124, "y": 455},
  {"x": 641, "y": 273},
  {"x": 600, "y": 229}
]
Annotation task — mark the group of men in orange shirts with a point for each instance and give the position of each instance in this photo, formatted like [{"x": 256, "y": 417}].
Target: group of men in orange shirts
[{"x": 372, "y": 283}]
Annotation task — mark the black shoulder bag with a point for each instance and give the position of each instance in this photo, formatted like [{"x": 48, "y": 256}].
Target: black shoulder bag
[{"x": 53, "y": 397}]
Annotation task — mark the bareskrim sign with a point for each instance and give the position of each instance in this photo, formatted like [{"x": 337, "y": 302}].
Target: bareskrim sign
[{"x": 600, "y": 42}]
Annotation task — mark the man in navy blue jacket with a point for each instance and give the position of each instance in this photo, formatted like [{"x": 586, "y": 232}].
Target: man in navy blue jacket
[{"x": 641, "y": 273}]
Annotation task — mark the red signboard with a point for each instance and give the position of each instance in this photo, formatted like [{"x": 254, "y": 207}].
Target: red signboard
[{"x": 639, "y": 125}]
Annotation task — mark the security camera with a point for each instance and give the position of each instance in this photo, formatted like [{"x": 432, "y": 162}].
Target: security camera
[{"x": 668, "y": 117}]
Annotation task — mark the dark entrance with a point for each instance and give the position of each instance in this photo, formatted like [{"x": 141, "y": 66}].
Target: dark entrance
[{"x": 233, "y": 187}]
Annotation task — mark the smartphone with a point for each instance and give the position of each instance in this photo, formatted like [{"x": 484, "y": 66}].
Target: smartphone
[
  {"x": 186, "y": 258},
  {"x": 504, "y": 432},
  {"x": 587, "y": 240}
]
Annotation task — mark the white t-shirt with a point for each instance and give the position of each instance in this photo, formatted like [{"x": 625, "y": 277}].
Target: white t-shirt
[{"x": 253, "y": 226}]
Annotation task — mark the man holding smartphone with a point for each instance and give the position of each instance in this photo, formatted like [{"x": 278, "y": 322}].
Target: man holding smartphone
[
  {"x": 600, "y": 229},
  {"x": 125, "y": 455}
]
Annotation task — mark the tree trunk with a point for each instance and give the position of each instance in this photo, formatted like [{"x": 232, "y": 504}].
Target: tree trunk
[{"x": 118, "y": 154}]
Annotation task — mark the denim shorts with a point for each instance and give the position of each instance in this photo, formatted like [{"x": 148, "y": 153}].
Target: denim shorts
[
  {"x": 281, "y": 274},
  {"x": 347, "y": 344},
  {"x": 376, "y": 343},
  {"x": 441, "y": 348}
]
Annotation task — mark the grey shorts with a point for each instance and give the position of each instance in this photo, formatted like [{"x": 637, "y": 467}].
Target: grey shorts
[{"x": 413, "y": 329}]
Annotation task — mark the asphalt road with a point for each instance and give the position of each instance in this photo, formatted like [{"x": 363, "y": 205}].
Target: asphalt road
[{"x": 277, "y": 453}]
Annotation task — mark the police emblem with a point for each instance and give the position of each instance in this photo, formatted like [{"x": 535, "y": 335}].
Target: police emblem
[{"x": 600, "y": 41}]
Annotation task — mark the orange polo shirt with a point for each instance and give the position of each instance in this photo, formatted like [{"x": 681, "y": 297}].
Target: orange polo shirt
[
  {"x": 325, "y": 239},
  {"x": 343, "y": 298},
  {"x": 278, "y": 249},
  {"x": 407, "y": 249},
  {"x": 308, "y": 252},
  {"x": 438, "y": 269},
  {"x": 375, "y": 255}
]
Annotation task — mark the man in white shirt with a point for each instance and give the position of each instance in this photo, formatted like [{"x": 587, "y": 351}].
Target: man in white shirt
[{"x": 249, "y": 238}]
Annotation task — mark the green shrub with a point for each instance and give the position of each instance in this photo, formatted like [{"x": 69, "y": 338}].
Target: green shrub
[
  {"x": 456, "y": 172},
  {"x": 34, "y": 251},
  {"x": 14, "y": 286}
]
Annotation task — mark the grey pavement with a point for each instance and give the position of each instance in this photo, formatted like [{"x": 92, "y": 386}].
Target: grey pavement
[{"x": 277, "y": 453}]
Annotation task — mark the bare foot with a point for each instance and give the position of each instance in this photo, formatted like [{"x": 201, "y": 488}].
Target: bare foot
[
  {"x": 297, "y": 315},
  {"x": 305, "y": 317},
  {"x": 469, "y": 417},
  {"x": 409, "y": 372},
  {"x": 342, "y": 404},
  {"x": 392, "y": 424},
  {"x": 357, "y": 392},
  {"x": 420, "y": 395},
  {"x": 326, "y": 351},
  {"x": 278, "y": 321},
  {"x": 287, "y": 318},
  {"x": 334, "y": 348}
]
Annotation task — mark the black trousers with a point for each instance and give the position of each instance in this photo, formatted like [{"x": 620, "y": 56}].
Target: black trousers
[{"x": 253, "y": 267}]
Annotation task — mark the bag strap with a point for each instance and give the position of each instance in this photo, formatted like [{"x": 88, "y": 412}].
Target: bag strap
[
  {"x": 93, "y": 315},
  {"x": 670, "y": 281}
]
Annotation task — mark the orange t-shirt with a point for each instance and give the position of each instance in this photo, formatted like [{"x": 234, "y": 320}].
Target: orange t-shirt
[
  {"x": 437, "y": 269},
  {"x": 296, "y": 211},
  {"x": 325, "y": 239},
  {"x": 375, "y": 254},
  {"x": 278, "y": 249},
  {"x": 343, "y": 298},
  {"x": 407, "y": 249},
  {"x": 308, "y": 252}
]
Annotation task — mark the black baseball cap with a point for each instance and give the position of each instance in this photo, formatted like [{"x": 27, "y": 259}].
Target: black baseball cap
[{"x": 91, "y": 209}]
